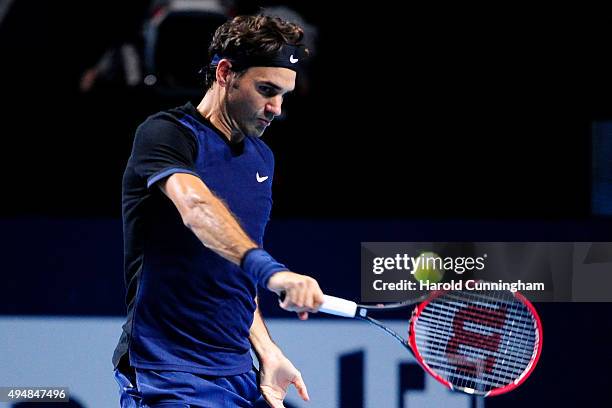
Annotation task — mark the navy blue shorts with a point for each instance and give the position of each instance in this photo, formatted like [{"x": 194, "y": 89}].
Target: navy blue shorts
[{"x": 177, "y": 389}]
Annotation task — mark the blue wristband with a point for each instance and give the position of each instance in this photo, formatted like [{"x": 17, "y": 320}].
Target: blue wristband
[{"x": 261, "y": 265}]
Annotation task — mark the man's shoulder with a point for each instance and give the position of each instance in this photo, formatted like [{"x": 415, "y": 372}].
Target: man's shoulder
[
  {"x": 172, "y": 115},
  {"x": 166, "y": 121},
  {"x": 165, "y": 128}
]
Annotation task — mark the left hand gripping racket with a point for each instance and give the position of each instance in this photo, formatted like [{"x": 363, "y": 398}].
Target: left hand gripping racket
[{"x": 479, "y": 342}]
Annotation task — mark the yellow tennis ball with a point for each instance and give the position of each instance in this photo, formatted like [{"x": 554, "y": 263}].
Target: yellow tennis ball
[{"x": 429, "y": 268}]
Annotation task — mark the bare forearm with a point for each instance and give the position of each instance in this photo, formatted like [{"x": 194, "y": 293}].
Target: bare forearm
[
  {"x": 275, "y": 370},
  {"x": 209, "y": 219},
  {"x": 218, "y": 230},
  {"x": 260, "y": 338}
]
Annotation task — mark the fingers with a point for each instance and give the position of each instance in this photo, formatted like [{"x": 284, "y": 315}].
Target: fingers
[
  {"x": 299, "y": 384},
  {"x": 303, "y": 315},
  {"x": 301, "y": 293}
]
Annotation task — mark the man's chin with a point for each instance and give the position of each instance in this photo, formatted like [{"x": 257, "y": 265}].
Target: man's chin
[
  {"x": 254, "y": 132},
  {"x": 257, "y": 132}
]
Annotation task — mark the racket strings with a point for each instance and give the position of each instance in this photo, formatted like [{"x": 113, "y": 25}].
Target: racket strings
[
  {"x": 482, "y": 336},
  {"x": 494, "y": 317},
  {"x": 442, "y": 327},
  {"x": 479, "y": 340},
  {"x": 519, "y": 355},
  {"x": 451, "y": 306},
  {"x": 503, "y": 373},
  {"x": 488, "y": 340},
  {"x": 509, "y": 370}
]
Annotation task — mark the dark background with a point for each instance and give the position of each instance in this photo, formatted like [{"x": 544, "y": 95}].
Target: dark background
[
  {"x": 436, "y": 113},
  {"x": 409, "y": 121}
]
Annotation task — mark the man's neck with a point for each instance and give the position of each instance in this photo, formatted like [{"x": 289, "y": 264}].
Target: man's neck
[{"x": 212, "y": 108}]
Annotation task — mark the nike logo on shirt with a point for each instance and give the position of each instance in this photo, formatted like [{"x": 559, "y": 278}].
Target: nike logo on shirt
[{"x": 261, "y": 179}]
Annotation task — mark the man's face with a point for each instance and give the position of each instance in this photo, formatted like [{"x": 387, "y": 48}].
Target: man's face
[{"x": 254, "y": 99}]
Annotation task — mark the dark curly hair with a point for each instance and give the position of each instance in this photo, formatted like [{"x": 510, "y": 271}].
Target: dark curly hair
[{"x": 250, "y": 36}]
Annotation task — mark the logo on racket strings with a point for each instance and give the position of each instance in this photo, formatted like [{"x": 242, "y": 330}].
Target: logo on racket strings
[{"x": 473, "y": 316}]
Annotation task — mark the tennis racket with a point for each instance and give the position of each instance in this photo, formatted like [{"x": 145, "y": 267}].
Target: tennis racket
[{"x": 478, "y": 342}]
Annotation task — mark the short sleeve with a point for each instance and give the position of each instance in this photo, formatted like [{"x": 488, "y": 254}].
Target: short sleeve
[{"x": 162, "y": 148}]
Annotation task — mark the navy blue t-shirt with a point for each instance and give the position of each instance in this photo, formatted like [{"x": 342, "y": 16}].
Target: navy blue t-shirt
[{"x": 189, "y": 309}]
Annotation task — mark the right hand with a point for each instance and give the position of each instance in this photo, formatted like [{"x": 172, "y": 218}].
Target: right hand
[{"x": 302, "y": 293}]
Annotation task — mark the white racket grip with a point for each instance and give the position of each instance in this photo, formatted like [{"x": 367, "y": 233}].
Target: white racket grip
[{"x": 338, "y": 306}]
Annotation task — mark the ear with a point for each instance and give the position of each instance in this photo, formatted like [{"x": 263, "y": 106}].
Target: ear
[{"x": 223, "y": 72}]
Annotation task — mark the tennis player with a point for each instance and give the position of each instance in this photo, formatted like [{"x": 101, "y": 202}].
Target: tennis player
[{"x": 196, "y": 201}]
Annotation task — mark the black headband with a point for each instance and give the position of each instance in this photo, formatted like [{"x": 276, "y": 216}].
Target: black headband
[{"x": 288, "y": 56}]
